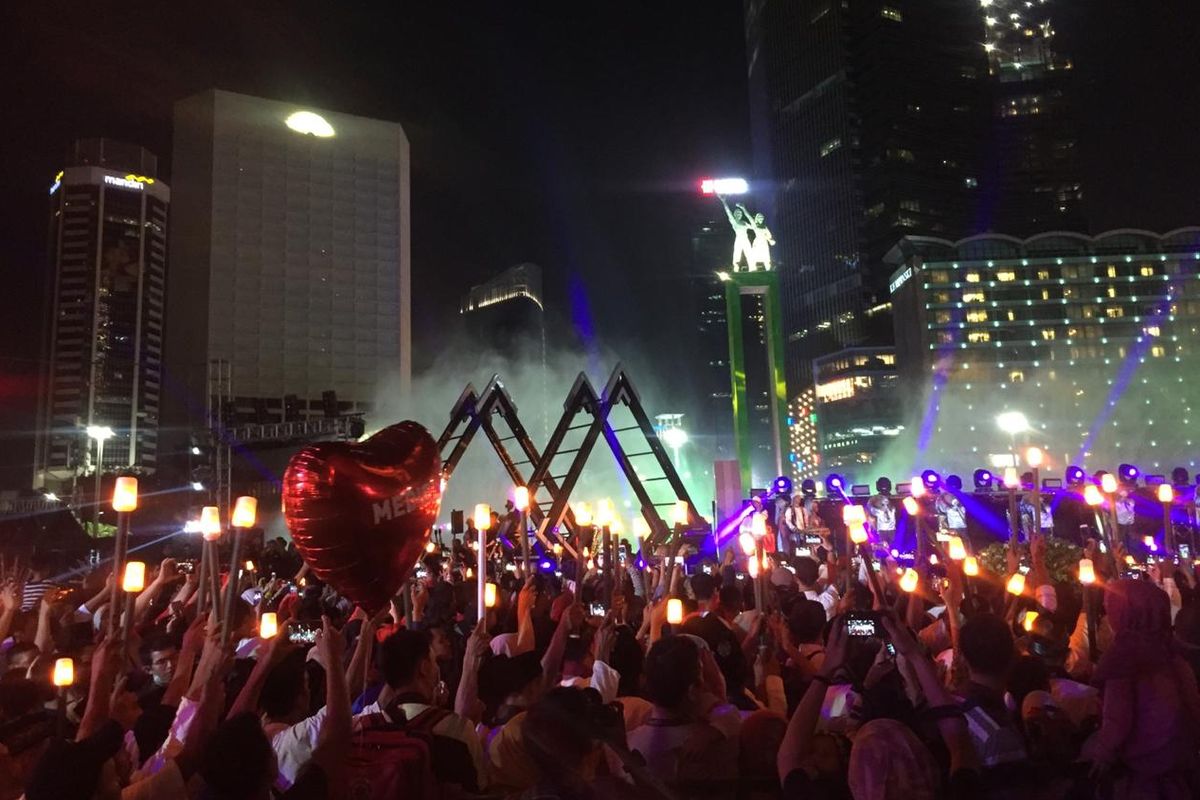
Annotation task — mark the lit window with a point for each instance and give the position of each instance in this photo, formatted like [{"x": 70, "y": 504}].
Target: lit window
[
  {"x": 910, "y": 205},
  {"x": 979, "y": 336},
  {"x": 1112, "y": 271},
  {"x": 1016, "y": 376},
  {"x": 890, "y": 13},
  {"x": 1112, "y": 291},
  {"x": 970, "y": 182},
  {"x": 973, "y": 297},
  {"x": 942, "y": 317},
  {"x": 901, "y": 154},
  {"x": 1043, "y": 275},
  {"x": 1152, "y": 330},
  {"x": 977, "y": 316},
  {"x": 830, "y": 146},
  {"x": 1006, "y": 275},
  {"x": 1158, "y": 351},
  {"x": 1048, "y": 334},
  {"x": 1146, "y": 271},
  {"x": 1114, "y": 311},
  {"x": 972, "y": 277}
]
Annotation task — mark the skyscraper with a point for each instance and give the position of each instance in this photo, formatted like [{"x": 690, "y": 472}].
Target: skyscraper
[
  {"x": 103, "y": 344},
  {"x": 1033, "y": 178},
  {"x": 865, "y": 121},
  {"x": 292, "y": 254}
]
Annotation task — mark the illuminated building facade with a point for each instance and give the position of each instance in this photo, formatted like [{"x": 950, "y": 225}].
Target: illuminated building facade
[
  {"x": 507, "y": 314},
  {"x": 104, "y": 337},
  {"x": 804, "y": 454},
  {"x": 858, "y": 407},
  {"x": 865, "y": 119},
  {"x": 1033, "y": 159},
  {"x": 291, "y": 255},
  {"x": 1092, "y": 338}
]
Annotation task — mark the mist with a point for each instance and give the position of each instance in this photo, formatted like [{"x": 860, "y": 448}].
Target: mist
[
  {"x": 1136, "y": 410},
  {"x": 538, "y": 388}
]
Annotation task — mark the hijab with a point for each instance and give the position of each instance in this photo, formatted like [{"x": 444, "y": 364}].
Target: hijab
[{"x": 1139, "y": 614}]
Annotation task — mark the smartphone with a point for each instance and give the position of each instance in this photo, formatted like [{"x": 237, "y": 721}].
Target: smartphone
[
  {"x": 597, "y": 610},
  {"x": 185, "y": 567},
  {"x": 623, "y": 550},
  {"x": 1185, "y": 551},
  {"x": 812, "y": 538},
  {"x": 706, "y": 569},
  {"x": 303, "y": 632},
  {"x": 804, "y": 551},
  {"x": 861, "y": 624},
  {"x": 422, "y": 572}
]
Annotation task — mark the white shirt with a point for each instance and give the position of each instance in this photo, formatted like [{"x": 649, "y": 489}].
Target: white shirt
[
  {"x": 828, "y": 598},
  {"x": 604, "y": 680}
]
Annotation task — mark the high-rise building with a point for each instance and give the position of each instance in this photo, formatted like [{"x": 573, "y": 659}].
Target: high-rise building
[
  {"x": 1032, "y": 180},
  {"x": 103, "y": 347},
  {"x": 866, "y": 121},
  {"x": 858, "y": 407},
  {"x": 1090, "y": 338},
  {"x": 508, "y": 312},
  {"x": 291, "y": 258}
]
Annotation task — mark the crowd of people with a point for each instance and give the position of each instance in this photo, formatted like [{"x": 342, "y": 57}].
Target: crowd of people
[{"x": 665, "y": 674}]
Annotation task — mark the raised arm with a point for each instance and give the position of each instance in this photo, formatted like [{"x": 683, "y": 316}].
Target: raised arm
[
  {"x": 797, "y": 741},
  {"x": 466, "y": 701},
  {"x": 333, "y": 741}
]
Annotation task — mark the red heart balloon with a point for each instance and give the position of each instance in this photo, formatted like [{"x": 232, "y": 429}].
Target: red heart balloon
[{"x": 360, "y": 513}]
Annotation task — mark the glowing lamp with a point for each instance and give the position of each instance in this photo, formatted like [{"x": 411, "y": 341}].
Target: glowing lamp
[
  {"x": 604, "y": 513},
  {"x": 64, "y": 672},
  {"x": 210, "y": 523},
  {"x": 249, "y": 566},
  {"x": 674, "y": 611},
  {"x": 558, "y": 549},
  {"x": 908, "y": 581},
  {"x": 245, "y": 510},
  {"x": 125, "y": 494},
  {"x": 1092, "y": 496},
  {"x": 970, "y": 566},
  {"x": 858, "y": 533},
  {"x": 758, "y": 524},
  {"x": 1011, "y": 479},
  {"x": 583, "y": 515},
  {"x": 916, "y": 487},
  {"x": 489, "y": 595},
  {"x": 1030, "y": 619},
  {"x": 1033, "y": 457},
  {"x": 933, "y": 559},
  {"x": 911, "y": 507},
  {"x": 430, "y": 546},
  {"x": 641, "y": 528},
  {"x": 483, "y": 516},
  {"x": 956, "y": 550},
  {"x": 679, "y": 514},
  {"x": 134, "y": 579},
  {"x": 307, "y": 122},
  {"x": 268, "y": 625},
  {"x": 752, "y": 567},
  {"x": 853, "y": 514},
  {"x": 1148, "y": 541},
  {"x": 1087, "y": 571},
  {"x": 1108, "y": 482},
  {"x": 1130, "y": 561},
  {"x": 748, "y": 544},
  {"x": 766, "y": 562},
  {"x": 1016, "y": 584},
  {"x": 520, "y": 498},
  {"x": 616, "y": 526},
  {"x": 1012, "y": 422},
  {"x": 1166, "y": 494},
  {"x": 469, "y": 574},
  {"x": 724, "y": 186}
]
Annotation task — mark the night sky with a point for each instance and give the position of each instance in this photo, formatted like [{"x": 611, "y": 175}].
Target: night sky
[{"x": 567, "y": 134}]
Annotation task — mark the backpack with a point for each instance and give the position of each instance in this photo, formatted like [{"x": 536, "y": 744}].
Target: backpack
[{"x": 394, "y": 758}]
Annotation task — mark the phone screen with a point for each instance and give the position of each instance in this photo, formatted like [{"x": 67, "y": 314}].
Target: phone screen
[
  {"x": 858, "y": 626},
  {"x": 598, "y": 610},
  {"x": 303, "y": 633}
]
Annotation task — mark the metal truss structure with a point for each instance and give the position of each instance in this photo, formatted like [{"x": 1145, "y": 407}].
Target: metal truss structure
[{"x": 473, "y": 412}]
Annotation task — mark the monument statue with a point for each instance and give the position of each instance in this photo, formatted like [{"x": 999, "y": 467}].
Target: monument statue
[{"x": 748, "y": 255}]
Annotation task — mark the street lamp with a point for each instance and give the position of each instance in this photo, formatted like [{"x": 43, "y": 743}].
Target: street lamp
[
  {"x": 100, "y": 433},
  {"x": 1012, "y": 423},
  {"x": 671, "y": 432}
]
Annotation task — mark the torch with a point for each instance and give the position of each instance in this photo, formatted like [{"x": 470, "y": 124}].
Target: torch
[
  {"x": 483, "y": 521},
  {"x": 244, "y": 512},
  {"x": 124, "y": 502}
]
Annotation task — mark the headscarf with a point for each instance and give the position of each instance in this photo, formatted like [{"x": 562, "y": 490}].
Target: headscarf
[
  {"x": 1139, "y": 614},
  {"x": 888, "y": 761}
]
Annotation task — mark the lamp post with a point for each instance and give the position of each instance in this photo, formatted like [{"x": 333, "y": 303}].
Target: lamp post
[
  {"x": 521, "y": 504},
  {"x": 1011, "y": 482},
  {"x": 100, "y": 433},
  {"x": 245, "y": 511},
  {"x": 1108, "y": 483},
  {"x": 124, "y": 501},
  {"x": 1166, "y": 496},
  {"x": 210, "y": 532},
  {"x": 483, "y": 521},
  {"x": 1012, "y": 423},
  {"x": 1033, "y": 457}
]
